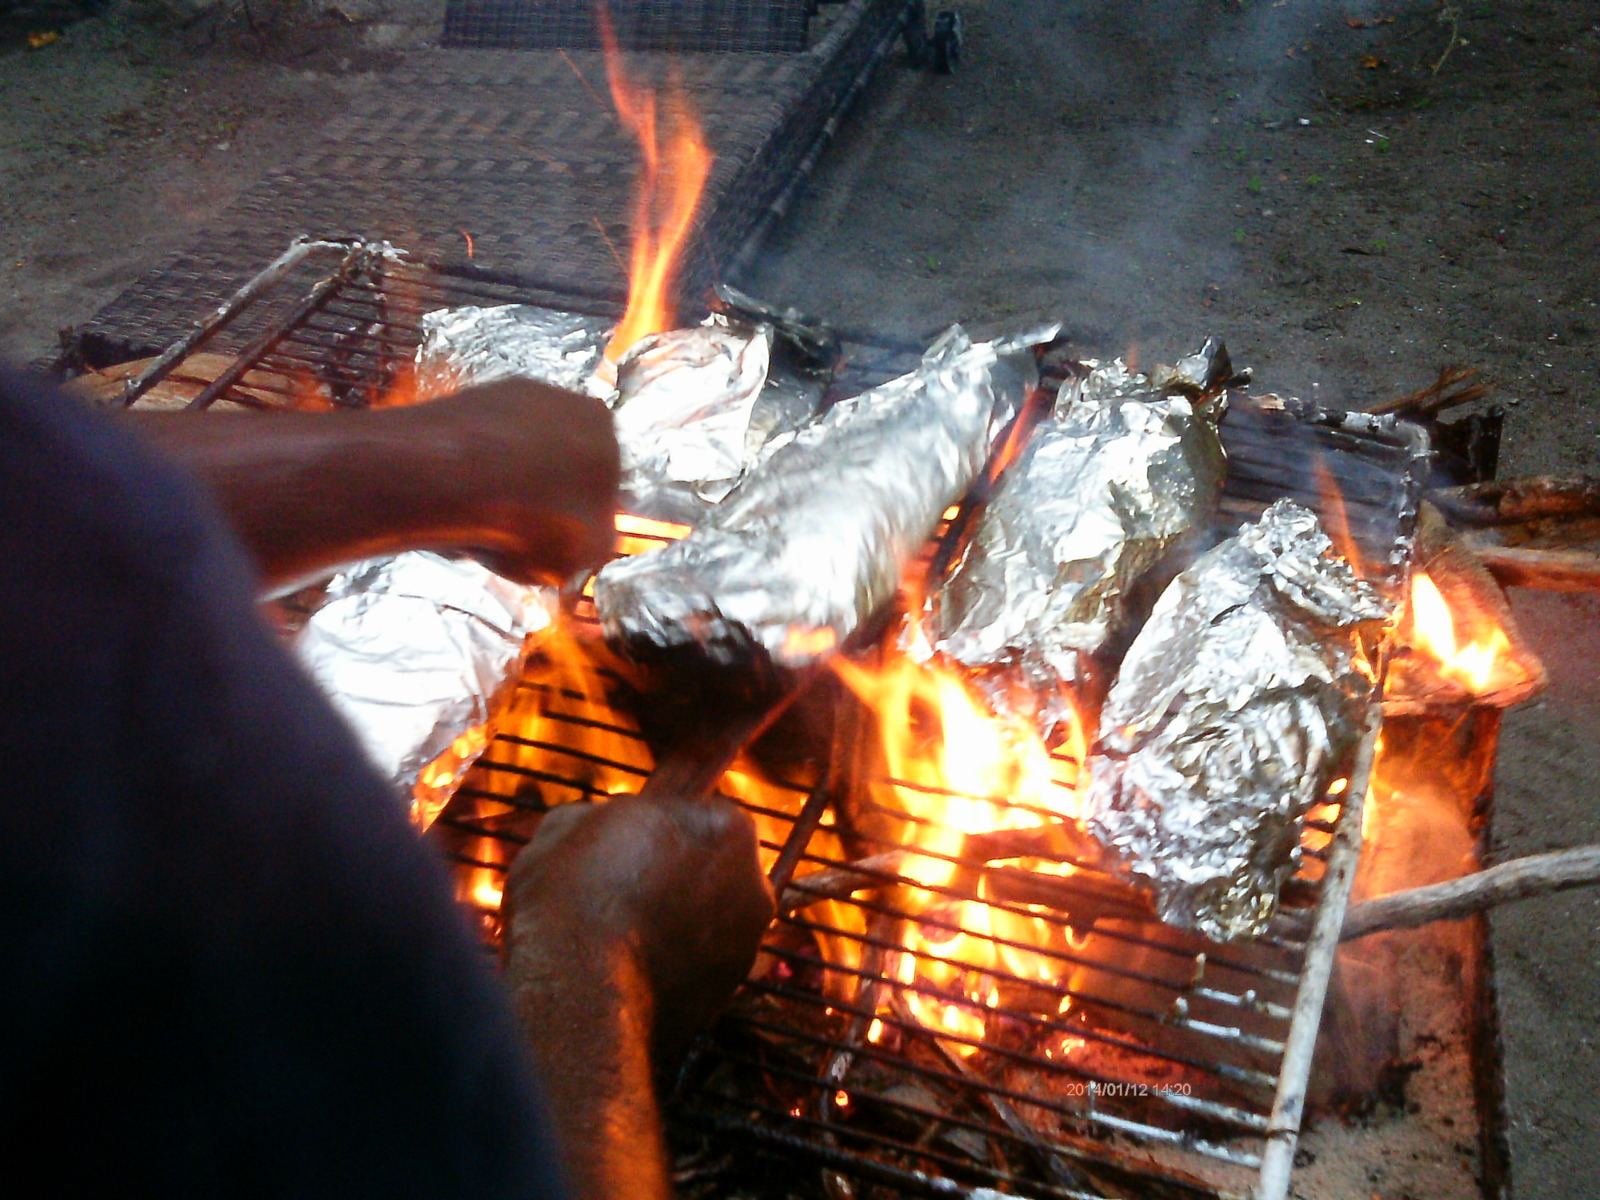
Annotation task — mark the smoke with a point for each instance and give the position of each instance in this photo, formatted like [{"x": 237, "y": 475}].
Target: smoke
[{"x": 1089, "y": 161}]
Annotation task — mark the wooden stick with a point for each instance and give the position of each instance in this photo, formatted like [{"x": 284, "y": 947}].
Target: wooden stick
[
  {"x": 1519, "y": 879},
  {"x": 1529, "y": 498},
  {"x": 1550, "y": 570},
  {"x": 1454, "y": 386}
]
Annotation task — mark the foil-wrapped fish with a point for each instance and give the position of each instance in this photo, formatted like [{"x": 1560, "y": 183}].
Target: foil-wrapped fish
[
  {"x": 1124, "y": 467},
  {"x": 814, "y": 542},
  {"x": 1236, "y": 704},
  {"x": 471, "y": 345},
  {"x": 417, "y": 652}
]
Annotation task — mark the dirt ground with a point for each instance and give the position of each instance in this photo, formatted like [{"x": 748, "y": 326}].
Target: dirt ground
[{"x": 1352, "y": 192}]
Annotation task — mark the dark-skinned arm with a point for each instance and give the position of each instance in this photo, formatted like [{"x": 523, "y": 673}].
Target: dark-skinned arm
[
  {"x": 521, "y": 475},
  {"x": 629, "y": 925}
]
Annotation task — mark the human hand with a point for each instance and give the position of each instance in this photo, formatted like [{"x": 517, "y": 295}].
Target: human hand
[
  {"x": 520, "y": 475},
  {"x": 675, "y": 886},
  {"x": 536, "y": 468}
]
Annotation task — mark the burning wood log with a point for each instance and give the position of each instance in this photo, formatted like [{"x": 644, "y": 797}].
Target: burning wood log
[
  {"x": 1537, "y": 532},
  {"x": 257, "y": 390},
  {"x": 1548, "y": 570},
  {"x": 1519, "y": 879},
  {"x": 1458, "y": 642},
  {"x": 1509, "y": 502}
]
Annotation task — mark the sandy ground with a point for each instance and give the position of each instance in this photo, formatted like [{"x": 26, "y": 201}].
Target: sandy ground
[{"x": 1291, "y": 174}]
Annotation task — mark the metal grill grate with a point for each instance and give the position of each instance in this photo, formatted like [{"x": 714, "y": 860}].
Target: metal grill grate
[
  {"x": 1116, "y": 1056},
  {"x": 770, "y": 26},
  {"x": 514, "y": 162}
]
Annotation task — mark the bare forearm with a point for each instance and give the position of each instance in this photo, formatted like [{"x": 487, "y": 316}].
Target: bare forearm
[
  {"x": 519, "y": 474},
  {"x": 308, "y": 492},
  {"x": 587, "y": 1013}
]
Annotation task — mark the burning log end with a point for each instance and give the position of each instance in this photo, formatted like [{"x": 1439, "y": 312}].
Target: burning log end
[
  {"x": 1519, "y": 879},
  {"x": 1548, "y": 570},
  {"x": 1512, "y": 501}
]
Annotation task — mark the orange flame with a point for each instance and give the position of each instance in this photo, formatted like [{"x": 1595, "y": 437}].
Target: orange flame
[
  {"x": 1472, "y": 665},
  {"x": 953, "y": 770},
  {"x": 675, "y": 165},
  {"x": 1334, "y": 517}
]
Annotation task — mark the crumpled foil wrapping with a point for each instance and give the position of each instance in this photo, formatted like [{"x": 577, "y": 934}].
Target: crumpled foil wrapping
[
  {"x": 471, "y": 345},
  {"x": 694, "y": 408},
  {"x": 1123, "y": 468},
  {"x": 814, "y": 542},
  {"x": 416, "y": 652},
  {"x": 1235, "y": 705},
  {"x": 682, "y": 410}
]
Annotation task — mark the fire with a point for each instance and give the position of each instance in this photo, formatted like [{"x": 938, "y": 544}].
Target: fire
[
  {"x": 638, "y": 534},
  {"x": 1434, "y": 633},
  {"x": 952, "y": 770},
  {"x": 675, "y": 165},
  {"x": 1335, "y": 519}
]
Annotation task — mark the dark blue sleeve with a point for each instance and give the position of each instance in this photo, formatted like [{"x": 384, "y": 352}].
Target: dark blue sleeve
[{"x": 227, "y": 964}]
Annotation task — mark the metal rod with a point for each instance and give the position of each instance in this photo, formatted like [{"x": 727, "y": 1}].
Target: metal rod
[
  {"x": 299, "y": 249},
  {"x": 1288, "y": 1107},
  {"x": 802, "y": 172},
  {"x": 247, "y": 358}
]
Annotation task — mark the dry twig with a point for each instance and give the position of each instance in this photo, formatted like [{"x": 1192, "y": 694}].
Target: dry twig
[
  {"x": 1449, "y": 13},
  {"x": 1456, "y": 385},
  {"x": 1519, "y": 879}
]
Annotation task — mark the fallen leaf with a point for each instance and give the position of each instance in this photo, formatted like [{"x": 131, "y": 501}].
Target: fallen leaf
[
  {"x": 1367, "y": 22},
  {"x": 1371, "y": 62},
  {"x": 38, "y": 41}
]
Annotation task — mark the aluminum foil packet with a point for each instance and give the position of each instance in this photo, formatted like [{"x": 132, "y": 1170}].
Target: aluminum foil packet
[
  {"x": 694, "y": 408},
  {"x": 682, "y": 410},
  {"x": 417, "y": 652},
  {"x": 815, "y": 540},
  {"x": 1236, "y": 704},
  {"x": 1123, "y": 468},
  {"x": 465, "y": 346}
]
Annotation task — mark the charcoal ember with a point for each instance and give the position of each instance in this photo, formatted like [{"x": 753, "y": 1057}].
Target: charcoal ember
[
  {"x": 1125, "y": 466},
  {"x": 1237, "y": 703},
  {"x": 812, "y": 545},
  {"x": 418, "y": 653}
]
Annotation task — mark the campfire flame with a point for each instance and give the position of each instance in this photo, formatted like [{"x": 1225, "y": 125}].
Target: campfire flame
[
  {"x": 953, "y": 769},
  {"x": 674, "y": 166},
  {"x": 1434, "y": 633}
]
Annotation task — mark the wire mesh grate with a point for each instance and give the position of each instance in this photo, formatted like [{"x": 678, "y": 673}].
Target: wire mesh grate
[
  {"x": 955, "y": 997},
  {"x": 685, "y": 26}
]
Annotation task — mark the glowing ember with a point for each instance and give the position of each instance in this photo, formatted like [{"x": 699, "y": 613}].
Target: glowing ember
[{"x": 675, "y": 165}]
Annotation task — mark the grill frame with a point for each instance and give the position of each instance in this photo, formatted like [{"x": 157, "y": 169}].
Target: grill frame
[{"x": 353, "y": 329}]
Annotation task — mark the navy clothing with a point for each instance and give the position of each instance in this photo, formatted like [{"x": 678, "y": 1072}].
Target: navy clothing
[{"x": 228, "y": 966}]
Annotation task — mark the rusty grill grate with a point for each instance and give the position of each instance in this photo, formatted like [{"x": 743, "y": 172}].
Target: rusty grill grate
[{"x": 1116, "y": 1056}]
